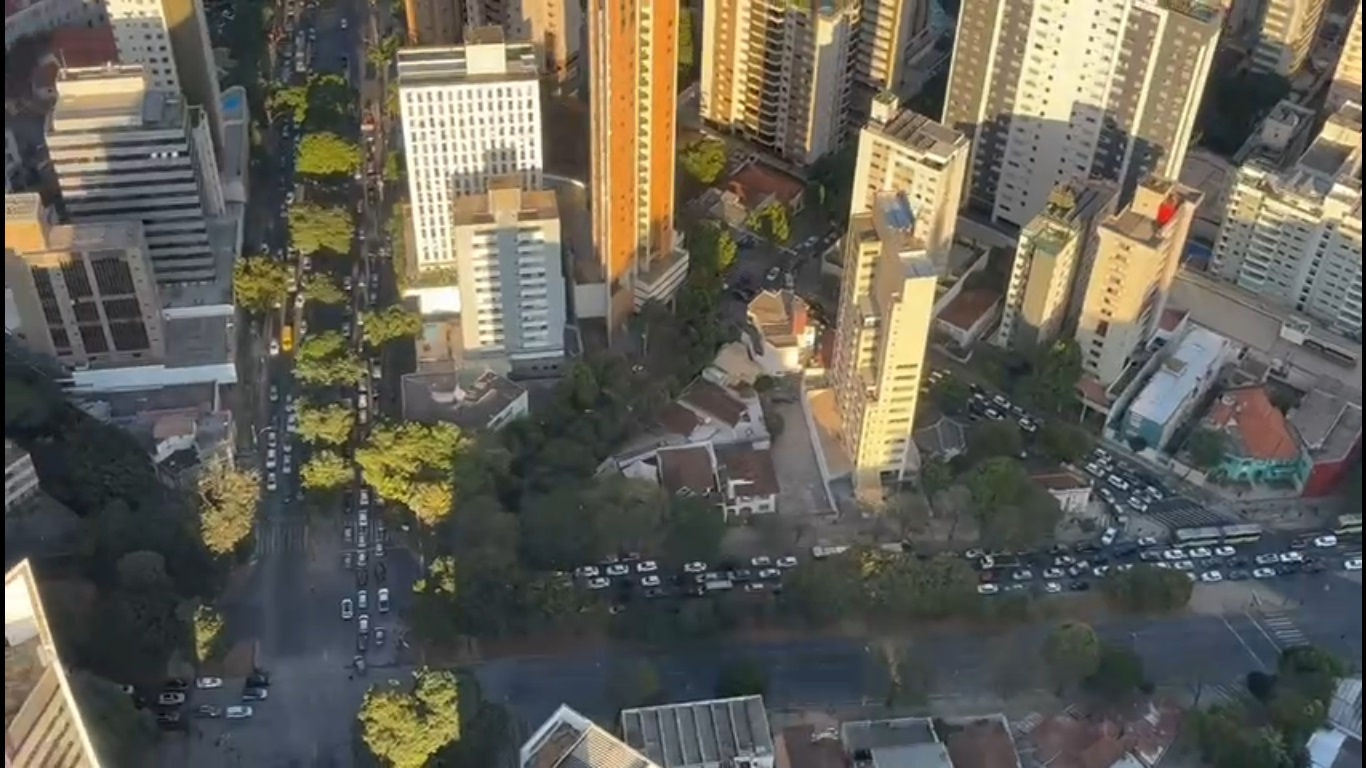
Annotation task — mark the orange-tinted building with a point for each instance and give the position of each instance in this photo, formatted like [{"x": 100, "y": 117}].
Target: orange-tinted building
[{"x": 633, "y": 71}]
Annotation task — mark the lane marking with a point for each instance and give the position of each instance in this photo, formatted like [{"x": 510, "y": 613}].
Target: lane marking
[{"x": 1242, "y": 642}]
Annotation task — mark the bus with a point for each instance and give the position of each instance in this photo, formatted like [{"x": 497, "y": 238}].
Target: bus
[
  {"x": 1348, "y": 525},
  {"x": 287, "y": 338},
  {"x": 1214, "y": 535}
]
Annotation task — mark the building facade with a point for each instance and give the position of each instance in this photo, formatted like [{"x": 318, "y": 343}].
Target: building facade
[
  {"x": 1136, "y": 256},
  {"x": 554, "y": 27},
  {"x": 779, "y": 73},
  {"x": 891, "y": 33},
  {"x": 883, "y": 332},
  {"x": 633, "y": 88},
  {"x": 1293, "y": 234},
  {"x": 1346, "y": 84},
  {"x": 122, "y": 149},
  {"x": 1286, "y": 36},
  {"x": 509, "y": 263},
  {"x": 905, "y": 152},
  {"x": 471, "y": 113},
  {"x": 85, "y": 293},
  {"x": 434, "y": 22},
  {"x": 27, "y": 18},
  {"x": 1177, "y": 387},
  {"x": 1260, "y": 447},
  {"x": 1048, "y": 260},
  {"x": 21, "y": 479},
  {"x": 1101, "y": 89}
]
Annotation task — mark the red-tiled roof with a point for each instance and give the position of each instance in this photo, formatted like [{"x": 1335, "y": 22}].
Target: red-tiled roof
[
  {"x": 1258, "y": 427},
  {"x": 714, "y": 401},
  {"x": 678, "y": 420},
  {"x": 968, "y": 307},
  {"x": 753, "y": 467},
  {"x": 983, "y": 743},
  {"x": 84, "y": 46},
  {"x": 687, "y": 470},
  {"x": 756, "y": 182},
  {"x": 1171, "y": 319}
]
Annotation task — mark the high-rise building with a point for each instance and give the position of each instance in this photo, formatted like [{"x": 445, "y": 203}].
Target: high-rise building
[
  {"x": 891, "y": 32},
  {"x": 84, "y": 292},
  {"x": 1048, "y": 260},
  {"x": 554, "y": 27},
  {"x": 470, "y": 113},
  {"x": 43, "y": 723},
  {"x": 1347, "y": 77},
  {"x": 1286, "y": 37},
  {"x": 171, "y": 39},
  {"x": 633, "y": 95},
  {"x": 511, "y": 276},
  {"x": 434, "y": 22},
  {"x": 902, "y": 151},
  {"x": 779, "y": 72},
  {"x": 1137, "y": 251},
  {"x": 1050, "y": 92},
  {"x": 123, "y": 150},
  {"x": 885, "y": 315},
  {"x": 1293, "y": 234}
]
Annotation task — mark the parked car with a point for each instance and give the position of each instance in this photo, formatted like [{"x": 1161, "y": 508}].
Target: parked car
[
  {"x": 255, "y": 694},
  {"x": 347, "y": 611},
  {"x": 382, "y": 599},
  {"x": 208, "y": 682},
  {"x": 171, "y": 698},
  {"x": 239, "y": 712}
]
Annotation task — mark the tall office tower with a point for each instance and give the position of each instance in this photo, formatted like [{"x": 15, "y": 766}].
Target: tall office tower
[
  {"x": 779, "y": 73},
  {"x": 1048, "y": 260},
  {"x": 84, "y": 292},
  {"x": 555, "y": 27},
  {"x": 633, "y": 92},
  {"x": 1347, "y": 78},
  {"x": 1136, "y": 254},
  {"x": 1287, "y": 34},
  {"x": 171, "y": 39},
  {"x": 1293, "y": 234},
  {"x": 123, "y": 150},
  {"x": 903, "y": 151},
  {"x": 470, "y": 113},
  {"x": 43, "y": 723},
  {"x": 1049, "y": 92},
  {"x": 511, "y": 277},
  {"x": 434, "y": 22},
  {"x": 890, "y": 33},
  {"x": 883, "y": 331}
]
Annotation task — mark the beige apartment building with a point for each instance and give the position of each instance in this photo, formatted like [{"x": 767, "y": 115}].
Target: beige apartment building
[
  {"x": 902, "y": 151},
  {"x": 1049, "y": 92},
  {"x": 1286, "y": 37},
  {"x": 1049, "y": 259},
  {"x": 43, "y": 724},
  {"x": 554, "y": 27},
  {"x": 85, "y": 293},
  {"x": 883, "y": 331},
  {"x": 435, "y": 22},
  {"x": 779, "y": 73},
  {"x": 891, "y": 33},
  {"x": 1347, "y": 77},
  {"x": 1137, "y": 253}
]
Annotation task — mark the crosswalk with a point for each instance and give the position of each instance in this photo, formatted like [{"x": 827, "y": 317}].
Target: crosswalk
[
  {"x": 1282, "y": 629},
  {"x": 1222, "y": 693},
  {"x": 276, "y": 536}
]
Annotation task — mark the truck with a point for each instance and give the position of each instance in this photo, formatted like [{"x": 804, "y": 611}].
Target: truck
[
  {"x": 720, "y": 585},
  {"x": 821, "y": 553}
]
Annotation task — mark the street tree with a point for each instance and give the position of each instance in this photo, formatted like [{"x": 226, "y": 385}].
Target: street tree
[
  {"x": 1119, "y": 673},
  {"x": 326, "y": 424},
  {"x": 911, "y": 513},
  {"x": 773, "y": 221},
  {"x": 713, "y": 251},
  {"x": 1072, "y": 653},
  {"x": 260, "y": 284},
  {"x": 1147, "y": 589},
  {"x": 327, "y": 155},
  {"x": 321, "y": 229},
  {"x": 405, "y": 728},
  {"x": 327, "y": 360},
  {"x": 935, "y": 475},
  {"x": 705, "y": 159},
  {"x": 435, "y": 610},
  {"x": 323, "y": 289},
  {"x": 1012, "y": 511},
  {"x": 326, "y": 471},
  {"x": 743, "y": 676},
  {"x": 331, "y": 101},
  {"x": 412, "y": 465},
  {"x": 289, "y": 101},
  {"x": 394, "y": 166},
  {"x": 578, "y": 524},
  {"x": 1064, "y": 443},
  {"x": 228, "y": 499},
  {"x": 393, "y": 323},
  {"x": 995, "y": 438},
  {"x": 950, "y": 395},
  {"x": 1054, "y": 370},
  {"x": 382, "y": 54},
  {"x": 121, "y": 733},
  {"x": 823, "y": 592},
  {"x": 693, "y": 529},
  {"x": 1226, "y": 740},
  {"x": 1207, "y": 448},
  {"x": 208, "y": 628}
]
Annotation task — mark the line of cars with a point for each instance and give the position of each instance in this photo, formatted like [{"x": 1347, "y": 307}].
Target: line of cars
[
  {"x": 1123, "y": 487},
  {"x": 760, "y": 574},
  {"x": 174, "y": 695}
]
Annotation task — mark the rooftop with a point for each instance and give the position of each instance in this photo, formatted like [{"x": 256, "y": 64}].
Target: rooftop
[
  {"x": 1195, "y": 359},
  {"x": 1328, "y": 423},
  {"x": 13, "y": 452},
  {"x": 505, "y": 197},
  {"x": 925, "y": 137},
  {"x": 570, "y": 740},
  {"x": 112, "y": 98},
  {"x": 484, "y": 60},
  {"x": 1147, "y": 218},
  {"x": 468, "y": 398},
  {"x": 1067, "y": 741},
  {"x": 749, "y": 468},
  {"x": 781, "y": 316},
  {"x": 757, "y": 183},
  {"x": 1172, "y": 319},
  {"x": 713, "y": 400},
  {"x": 802, "y": 746},
  {"x": 968, "y": 307},
  {"x": 678, "y": 420},
  {"x": 944, "y": 438},
  {"x": 700, "y": 733},
  {"x": 28, "y": 652},
  {"x": 687, "y": 470},
  {"x": 1257, "y": 428},
  {"x": 1066, "y": 480},
  {"x": 979, "y": 743}
]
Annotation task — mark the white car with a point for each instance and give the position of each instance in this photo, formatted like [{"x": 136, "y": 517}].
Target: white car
[
  {"x": 1147, "y": 541},
  {"x": 987, "y": 589},
  {"x": 618, "y": 569},
  {"x": 1183, "y": 565},
  {"x": 1173, "y": 554},
  {"x": 1117, "y": 482},
  {"x": 344, "y": 23},
  {"x": 361, "y": 560},
  {"x": 1052, "y": 587},
  {"x": 379, "y": 548},
  {"x": 382, "y": 599},
  {"x": 362, "y": 401},
  {"x": 364, "y": 497},
  {"x": 760, "y": 562},
  {"x": 171, "y": 699},
  {"x": 205, "y": 683},
  {"x": 1291, "y": 557},
  {"x": 1211, "y": 577},
  {"x": 1108, "y": 538},
  {"x": 1022, "y": 575},
  {"x": 1053, "y": 573},
  {"x": 695, "y": 567},
  {"x": 362, "y": 599},
  {"x": 238, "y": 712},
  {"x": 1225, "y": 551},
  {"x": 1199, "y": 553},
  {"x": 274, "y": 347},
  {"x": 647, "y": 566},
  {"x": 649, "y": 581},
  {"x": 1267, "y": 559},
  {"x": 363, "y": 623},
  {"x": 271, "y": 483},
  {"x": 1352, "y": 564},
  {"x": 274, "y": 394},
  {"x": 599, "y": 583},
  {"x": 1264, "y": 573},
  {"x": 586, "y": 571},
  {"x": 1100, "y": 571},
  {"x": 1326, "y": 542},
  {"x": 786, "y": 562},
  {"x": 770, "y": 573},
  {"x": 346, "y": 609}
]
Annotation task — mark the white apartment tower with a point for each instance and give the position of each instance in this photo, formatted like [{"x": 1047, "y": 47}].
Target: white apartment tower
[
  {"x": 883, "y": 332},
  {"x": 1054, "y": 91},
  {"x": 510, "y": 274},
  {"x": 470, "y": 113},
  {"x": 1293, "y": 235},
  {"x": 1134, "y": 259},
  {"x": 122, "y": 149},
  {"x": 779, "y": 73},
  {"x": 1347, "y": 77},
  {"x": 1286, "y": 37}
]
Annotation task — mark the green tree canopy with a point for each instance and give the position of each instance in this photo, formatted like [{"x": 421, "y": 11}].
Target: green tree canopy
[
  {"x": 693, "y": 529},
  {"x": 823, "y": 592},
  {"x": 394, "y": 166},
  {"x": 773, "y": 221},
  {"x": 382, "y": 54},
  {"x": 712, "y": 251},
  {"x": 1119, "y": 673},
  {"x": 741, "y": 677},
  {"x": 1064, "y": 443},
  {"x": 995, "y": 438},
  {"x": 1207, "y": 448},
  {"x": 1226, "y": 741},
  {"x": 950, "y": 395},
  {"x": 228, "y": 500},
  {"x": 260, "y": 284},
  {"x": 122, "y": 734},
  {"x": 412, "y": 465},
  {"x": 208, "y": 629},
  {"x": 1147, "y": 589},
  {"x": 575, "y": 525},
  {"x": 326, "y": 471},
  {"x": 405, "y": 728},
  {"x": 1054, "y": 370},
  {"x": 327, "y": 360},
  {"x": 1072, "y": 653},
  {"x": 687, "y": 46},
  {"x": 326, "y": 424},
  {"x": 289, "y": 101},
  {"x": 318, "y": 229},
  {"x": 323, "y": 289},
  {"x": 1012, "y": 511},
  {"x": 705, "y": 159},
  {"x": 331, "y": 102},
  {"x": 326, "y": 154},
  {"x": 393, "y": 323}
]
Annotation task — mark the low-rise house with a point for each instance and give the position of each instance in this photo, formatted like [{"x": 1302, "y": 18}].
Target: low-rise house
[
  {"x": 1070, "y": 489},
  {"x": 968, "y": 316},
  {"x": 1328, "y": 422},
  {"x": 971, "y": 742},
  {"x": 734, "y": 733},
  {"x": 470, "y": 399},
  {"x": 710, "y": 412},
  {"x": 1259, "y": 445},
  {"x": 1176, "y": 387},
  {"x": 569, "y": 740},
  {"x": 786, "y": 334},
  {"x": 1138, "y": 741},
  {"x": 688, "y": 470},
  {"x": 754, "y": 187},
  {"x": 739, "y": 477}
]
